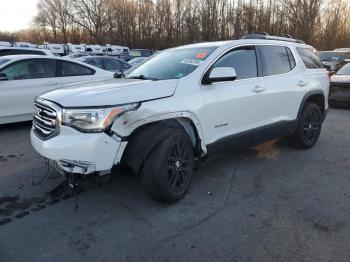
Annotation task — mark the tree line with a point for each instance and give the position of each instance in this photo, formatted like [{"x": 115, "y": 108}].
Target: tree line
[{"x": 159, "y": 24}]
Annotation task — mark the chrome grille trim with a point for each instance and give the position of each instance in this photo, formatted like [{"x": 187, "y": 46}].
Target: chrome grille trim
[{"x": 46, "y": 119}]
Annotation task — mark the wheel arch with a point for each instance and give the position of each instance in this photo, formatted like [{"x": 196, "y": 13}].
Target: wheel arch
[
  {"x": 317, "y": 97},
  {"x": 148, "y": 133}
]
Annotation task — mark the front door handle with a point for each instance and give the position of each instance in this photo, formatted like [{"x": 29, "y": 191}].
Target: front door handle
[
  {"x": 52, "y": 83},
  {"x": 258, "y": 89},
  {"x": 302, "y": 83}
]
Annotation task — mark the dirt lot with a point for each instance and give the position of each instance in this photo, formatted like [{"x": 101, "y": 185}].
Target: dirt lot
[{"x": 269, "y": 203}]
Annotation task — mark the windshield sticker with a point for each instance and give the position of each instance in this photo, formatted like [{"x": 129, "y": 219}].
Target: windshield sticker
[
  {"x": 191, "y": 61},
  {"x": 201, "y": 55}
]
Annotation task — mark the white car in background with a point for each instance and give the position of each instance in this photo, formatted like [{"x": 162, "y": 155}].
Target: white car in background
[
  {"x": 94, "y": 50},
  {"x": 56, "y": 49},
  {"x": 10, "y": 50},
  {"x": 75, "y": 48},
  {"x": 5, "y": 43},
  {"x": 23, "y": 77},
  {"x": 25, "y": 44}
]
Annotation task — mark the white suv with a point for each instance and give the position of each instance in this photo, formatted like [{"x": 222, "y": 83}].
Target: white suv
[{"x": 183, "y": 104}]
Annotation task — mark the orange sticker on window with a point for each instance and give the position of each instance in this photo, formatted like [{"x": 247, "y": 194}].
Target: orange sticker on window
[{"x": 201, "y": 55}]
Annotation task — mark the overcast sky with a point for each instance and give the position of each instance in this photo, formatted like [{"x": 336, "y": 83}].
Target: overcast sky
[{"x": 16, "y": 14}]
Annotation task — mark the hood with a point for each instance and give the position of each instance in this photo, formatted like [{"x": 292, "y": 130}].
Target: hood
[
  {"x": 111, "y": 92},
  {"x": 344, "y": 79}
]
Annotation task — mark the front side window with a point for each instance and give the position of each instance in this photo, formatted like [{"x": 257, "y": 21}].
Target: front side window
[
  {"x": 309, "y": 57},
  {"x": 243, "y": 60},
  {"x": 73, "y": 69},
  {"x": 172, "y": 64},
  {"x": 31, "y": 69},
  {"x": 94, "y": 62},
  {"x": 276, "y": 60},
  {"x": 112, "y": 64}
]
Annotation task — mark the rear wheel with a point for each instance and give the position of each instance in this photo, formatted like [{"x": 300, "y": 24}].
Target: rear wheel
[
  {"x": 168, "y": 169},
  {"x": 309, "y": 127}
]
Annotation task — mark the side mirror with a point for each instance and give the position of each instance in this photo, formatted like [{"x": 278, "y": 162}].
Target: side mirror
[
  {"x": 3, "y": 77},
  {"x": 221, "y": 74},
  {"x": 118, "y": 75}
]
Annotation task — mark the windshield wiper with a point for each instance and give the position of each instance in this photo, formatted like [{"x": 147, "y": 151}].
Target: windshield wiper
[{"x": 142, "y": 77}]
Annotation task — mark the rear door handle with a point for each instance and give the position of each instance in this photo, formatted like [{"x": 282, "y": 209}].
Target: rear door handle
[
  {"x": 302, "y": 83},
  {"x": 52, "y": 83},
  {"x": 258, "y": 89}
]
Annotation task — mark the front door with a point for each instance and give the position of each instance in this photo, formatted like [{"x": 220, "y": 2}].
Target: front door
[{"x": 234, "y": 109}]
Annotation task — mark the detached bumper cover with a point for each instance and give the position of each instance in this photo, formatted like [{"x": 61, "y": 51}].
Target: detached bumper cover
[{"x": 78, "y": 152}]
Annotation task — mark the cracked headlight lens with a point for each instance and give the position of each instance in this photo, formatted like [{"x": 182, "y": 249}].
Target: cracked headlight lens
[{"x": 94, "y": 120}]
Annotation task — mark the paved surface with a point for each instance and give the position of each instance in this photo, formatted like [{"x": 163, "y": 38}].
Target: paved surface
[{"x": 269, "y": 203}]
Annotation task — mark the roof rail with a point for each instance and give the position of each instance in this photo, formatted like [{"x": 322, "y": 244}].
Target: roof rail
[{"x": 266, "y": 36}]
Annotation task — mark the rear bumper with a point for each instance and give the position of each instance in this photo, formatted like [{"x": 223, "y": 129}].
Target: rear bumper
[{"x": 77, "y": 152}]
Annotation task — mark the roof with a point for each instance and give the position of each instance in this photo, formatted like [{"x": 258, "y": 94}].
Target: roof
[
  {"x": 19, "y": 57},
  {"x": 99, "y": 56},
  {"x": 241, "y": 42}
]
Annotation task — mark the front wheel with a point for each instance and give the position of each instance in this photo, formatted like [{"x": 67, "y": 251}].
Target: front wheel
[
  {"x": 168, "y": 169},
  {"x": 309, "y": 127}
]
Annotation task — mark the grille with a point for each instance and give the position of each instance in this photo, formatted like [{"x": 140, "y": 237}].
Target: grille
[{"x": 44, "y": 120}]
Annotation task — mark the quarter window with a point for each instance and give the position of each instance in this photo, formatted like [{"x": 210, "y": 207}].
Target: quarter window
[
  {"x": 310, "y": 58},
  {"x": 276, "y": 60},
  {"x": 243, "y": 60},
  {"x": 31, "y": 69},
  {"x": 73, "y": 69}
]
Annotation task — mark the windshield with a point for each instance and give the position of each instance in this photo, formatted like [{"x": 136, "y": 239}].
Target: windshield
[
  {"x": 330, "y": 56},
  {"x": 172, "y": 64},
  {"x": 345, "y": 70},
  {"x": 3, "y": 61}
]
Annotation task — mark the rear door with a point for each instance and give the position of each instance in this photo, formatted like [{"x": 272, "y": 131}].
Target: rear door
[
  {"x": 70, "y": 72},
  {"x": 26, "y": 80},
  {"x": 286, "y": 85}
]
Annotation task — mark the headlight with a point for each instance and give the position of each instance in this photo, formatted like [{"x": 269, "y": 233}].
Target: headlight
[{"x": 94, "y": 120}]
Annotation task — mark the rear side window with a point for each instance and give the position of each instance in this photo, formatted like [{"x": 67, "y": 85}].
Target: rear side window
[
  {"x": 73, "y": 69},
  {"x": 243, "y": 60},
  {"x": 310, "y": 58},
  {"x": 277, "y": 59},
  {"x": 346, "y": 55},
  {"x": 112, "y": 64}
]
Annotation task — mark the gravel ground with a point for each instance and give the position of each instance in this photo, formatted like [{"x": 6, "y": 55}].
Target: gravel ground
[{"x": 267, "y": 203}]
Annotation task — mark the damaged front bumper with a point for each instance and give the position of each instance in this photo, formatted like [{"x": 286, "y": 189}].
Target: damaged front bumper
[{"x": 81, "y": 153}]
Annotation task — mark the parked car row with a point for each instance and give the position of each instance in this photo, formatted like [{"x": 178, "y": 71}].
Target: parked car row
[{"x": 24, "y": 77}]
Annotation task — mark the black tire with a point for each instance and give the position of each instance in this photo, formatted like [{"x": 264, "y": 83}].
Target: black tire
[
  {"x": 309, "y": 127},
  {"x": 167, "y": 171}
]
